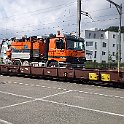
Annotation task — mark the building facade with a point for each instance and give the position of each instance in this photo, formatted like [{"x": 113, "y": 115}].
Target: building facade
[
  {"x": 4, "y": 48},
  {"x": 102, "y": 46}
]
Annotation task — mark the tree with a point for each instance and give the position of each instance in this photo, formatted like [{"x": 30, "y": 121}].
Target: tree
[
  {"x": 117, "y": 57},
  {"x": 109, "y": 57},
  {"x": 115, "y": 29}
]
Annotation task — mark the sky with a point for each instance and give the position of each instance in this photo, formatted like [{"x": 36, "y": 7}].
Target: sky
[{"x": 42, "y": 17}]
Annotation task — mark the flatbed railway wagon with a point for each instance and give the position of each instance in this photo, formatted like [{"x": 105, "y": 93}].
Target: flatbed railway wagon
[{"x": 78, "y": 74}]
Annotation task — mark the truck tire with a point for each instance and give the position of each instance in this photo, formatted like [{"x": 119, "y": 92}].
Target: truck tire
[
  {"x": 17, "y": 62},
  {"x": 26, "y": 63}
]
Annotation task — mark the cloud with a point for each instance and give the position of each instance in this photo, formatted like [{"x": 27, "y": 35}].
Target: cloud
[
  {"x": 102, "y": 14},
  {"x": 37, "y": 17}
]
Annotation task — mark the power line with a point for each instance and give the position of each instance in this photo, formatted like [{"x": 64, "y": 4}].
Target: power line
[
  {"x": 58, "y": 5},
  {"x": 45, "y": 24},
  {"x": 44, "y": 10},
  {"x": 70, "y": 25},
  {"x": 49, "y": 9},
  {"x": 100, "y": 9},
  {"x": 66, "y": 17},
  {"x": 111, "y": 19},
  {"x": 105, "y": 16},
  {"x": 61, "y": 20},
  {"x": 64, "y": 21},
  {"x": 54, "y": 7},
  {"x": 42, "y": 24}
]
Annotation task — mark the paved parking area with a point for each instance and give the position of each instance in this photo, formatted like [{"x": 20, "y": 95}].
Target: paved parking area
[{"x": 38, "y": 101}]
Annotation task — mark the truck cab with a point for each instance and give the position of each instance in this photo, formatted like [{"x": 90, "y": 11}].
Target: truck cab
[{"x": 66, "y": 50}]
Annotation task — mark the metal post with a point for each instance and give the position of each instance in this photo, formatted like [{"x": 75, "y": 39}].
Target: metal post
[
  {"x": 119, "y": 43},
  {"x": 78, "y": 17},
  {"x": 79, "y": 12},
  {"x": 119, "y": 9}
]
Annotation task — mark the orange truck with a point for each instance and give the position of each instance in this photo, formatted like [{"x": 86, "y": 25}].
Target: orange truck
[
  {"x": 26, "y": 50},
  {"x": 53, "y": 51}
]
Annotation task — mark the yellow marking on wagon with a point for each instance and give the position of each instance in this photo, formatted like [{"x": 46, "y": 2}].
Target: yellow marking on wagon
[
  {"x": 93, "y": 76},
  {"x": 105, "y": 77}
]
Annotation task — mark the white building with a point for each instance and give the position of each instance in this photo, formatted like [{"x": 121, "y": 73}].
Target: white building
[
  {"x": 4, "y": 47},
  {"x": 102, "y": 46}
]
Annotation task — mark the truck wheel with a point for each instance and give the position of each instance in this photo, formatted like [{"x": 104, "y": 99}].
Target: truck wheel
[
  {"x": 17, "y": 62},
  {"x": 25, "y": 63},
  {"x": 53, "y": 64}
]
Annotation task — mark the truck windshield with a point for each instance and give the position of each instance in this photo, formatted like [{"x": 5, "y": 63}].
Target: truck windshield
[
  {"x": 60, "y": 44},
  {"x": 75, "y": 44}
]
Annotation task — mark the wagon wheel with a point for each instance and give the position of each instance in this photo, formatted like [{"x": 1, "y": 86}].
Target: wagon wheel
[{"x": 53, "y": 64}]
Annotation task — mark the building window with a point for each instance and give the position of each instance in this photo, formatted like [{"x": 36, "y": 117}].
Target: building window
[
  {"x": 95, "y": 45},
  {"x": 113, "y": 35},
  {"x": 102, "y": 36},
  {"x": 89, "y": 35},
  {"x": 103, "y": 44},
  {"x": 113, "y": 45},
  {"x": 103, "y": 61},
  {"x": 113, "y": 53},
  {"x": 103, "y": 53},
  {"x": 94, "y": 36},
  {"x": 89, "y": 43},
  {"x": 117, "y": 46},
  {"x": 88, "y": 52},
  {"x": 95, "y": 54},
  {"x": 113, "y": 60}
]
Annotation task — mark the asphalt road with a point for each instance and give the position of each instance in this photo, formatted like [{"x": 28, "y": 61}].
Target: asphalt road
[{"x": 38, "y": 101}]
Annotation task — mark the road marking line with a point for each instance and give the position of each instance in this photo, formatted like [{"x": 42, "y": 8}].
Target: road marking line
[
  {"x": 65, "y": 89},
  {"x": 15, "y": 82},
  {"x": 37, "y": 85},
  {"x": 20, "y": 83},
  {"x": 17, "y": 104},
  {"x": 105, "y": 87},
  {"x": 79, "y": 107},
  {"x": 43, "y": 86},
  {"x": 34, "y": 99},
  {"x": 16, "y": 95},
  {"x": 60, "y": 93},
  {"x": 100, "y": 94},
  {"x": 5, "y": 122},
  {"x": 59, "y": 88},
  {"x": 120, "y": 97},
  {"x": 72, "y": 106},
  {"x": 86, "y": 92},
  {"x": 80, "y": 91}
]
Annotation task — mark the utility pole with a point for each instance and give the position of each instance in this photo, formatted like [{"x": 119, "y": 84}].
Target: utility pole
[
  {"x": 79, "y": 12},
  {"x": 78, "y": 17},
  {"x": 119, "y": 9}
]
